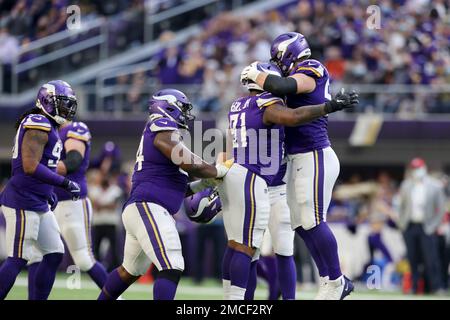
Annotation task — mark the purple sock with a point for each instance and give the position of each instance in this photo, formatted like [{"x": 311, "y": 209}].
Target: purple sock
[
  {"x": 98, "y": 274},
  {"x": 315, "y": 254},
  {"x": 272, "y": 277},
  {"x": 240, "y": 269},
  {"x": 8, "y": 274},
  {"x": 251, "y": 283},
  {"x": 114, "y": 287},
  {"x": 287, "y": 276},
  {"x": 326, "y": 244},
  {"x": 32, "y": 269},
  {"x": 164, "y": 289},
  {"x": 375, "y": 242},
  {"x": 45, "y": 275},
  {"x": 229, "y": 252}
]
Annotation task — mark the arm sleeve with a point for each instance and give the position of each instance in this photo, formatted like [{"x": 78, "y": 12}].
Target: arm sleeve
[
  {"x": 48, "y": 176},
  {"x": 73, "y": 161},
  {"x": 280, "y": 86}
]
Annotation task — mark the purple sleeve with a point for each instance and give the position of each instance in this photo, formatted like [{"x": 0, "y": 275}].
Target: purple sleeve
[{"x": 48, "y": 176}]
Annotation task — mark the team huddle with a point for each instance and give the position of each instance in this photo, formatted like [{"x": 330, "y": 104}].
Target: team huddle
[{"x": 275, "y": 178}]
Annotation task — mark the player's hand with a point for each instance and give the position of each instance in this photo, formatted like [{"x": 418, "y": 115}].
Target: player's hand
[
  {"x": 53, "y": 201},
  {"x": 341, "y": 101},
  {"x": 73, "y": 188},
  {"x": 250, "y": 72},
  {"x": 223, "y": 167},
  {"x": 203, "y": 184}
]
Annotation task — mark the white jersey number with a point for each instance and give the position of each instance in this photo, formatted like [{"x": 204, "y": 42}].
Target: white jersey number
[
  {"x": 56, "y": 152},
  {"x": 16, "y": 145},
  {"x": 140, "y": 155},
  {"x": 234, "y": 119},
  {"x": 327, "y": 93}
]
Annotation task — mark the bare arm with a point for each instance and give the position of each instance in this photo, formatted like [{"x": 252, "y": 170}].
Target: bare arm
[
  {"x": 32, "y": 148},
  {"x": 170, "y": 144},
  {"x": 278, "y": 114},
  {"x": 69, "y": 145}
]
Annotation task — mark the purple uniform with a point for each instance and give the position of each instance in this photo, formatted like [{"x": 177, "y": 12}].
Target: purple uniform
[
  {"x": 278, "y": 179},
  {"x": 156, "y": 178},
  {"x": 24, "y": 191},
  {"x": 256, "y": 146},
  {"x": 78, "y": 131},
  {"x": 312, "y": 135}
]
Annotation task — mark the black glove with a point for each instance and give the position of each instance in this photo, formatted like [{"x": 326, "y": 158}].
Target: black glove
[
  {"x": 73, "y": 188},
  {"x": 53, "y": 201},
  {"x": 342, "y": 101}
]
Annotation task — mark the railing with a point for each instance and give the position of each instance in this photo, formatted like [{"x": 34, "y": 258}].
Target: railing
[
  {"x": 69, "y": 50},
  {"x": 99, "y": 39},
  {"x": 109, "y": 98},
  {"x": 189, "y": 13}
]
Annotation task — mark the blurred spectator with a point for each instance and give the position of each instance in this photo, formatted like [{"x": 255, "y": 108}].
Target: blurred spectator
[
  {"x": 212, "y": 88},
  {"x": 105, "y": 196},
  {"x": 443, "y": 235},
  {"x": 9, "y": 50},
  {"x": 421, "y": 210},
  {"x": 109, "y": 160}
]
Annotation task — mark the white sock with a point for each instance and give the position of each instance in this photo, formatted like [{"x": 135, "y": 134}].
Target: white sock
[
  {"x": 226, "y": 289},
  {"x": 323, "y": 280},
  {"x": 237, "y": 293},
  {"x": 336, "y": 282}
]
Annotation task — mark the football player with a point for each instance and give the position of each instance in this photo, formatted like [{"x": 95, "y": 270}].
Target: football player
[
  {"x": 256, "y": 125},
  {"x": 74, "y": 217},
  {"x": 28, "y": 199},
  {"x": 313, "y": 166},
  {"x": 159, "y": 186},
  {"x": 277, "y": 249}
]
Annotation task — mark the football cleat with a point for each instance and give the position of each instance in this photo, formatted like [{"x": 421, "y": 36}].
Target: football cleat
[
  {"x": 323, "y": 288},
  {"x": 339, "y": 289}
]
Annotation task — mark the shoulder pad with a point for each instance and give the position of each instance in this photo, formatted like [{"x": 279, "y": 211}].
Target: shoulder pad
[
  {"x": 311, "y": 67},
  {"x": 267, "y": 99},
  {"x": 79, "y": 131},
  {"x": 162, "y": 124},
  {"x": 36, "y": 121}
]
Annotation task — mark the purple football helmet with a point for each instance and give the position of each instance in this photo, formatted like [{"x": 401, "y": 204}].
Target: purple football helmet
[
  {"x": 173, "y": 104},
  {"x": 57, "y": 100},
  {"x": 287, "y": 49},
  {"x": 203, "y": 206},
  {"x": 263, "y": 67}
]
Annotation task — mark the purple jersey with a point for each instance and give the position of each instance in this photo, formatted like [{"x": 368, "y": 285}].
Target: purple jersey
[
  {"x": 256, "y": 146},
  {"x": 78, "y": 131},
  {"x": 278, "y": 179},
  {"x": 312, "y": 135},
  {"x": 156, "y": 178},
  {"x": 24, "y": 191}
]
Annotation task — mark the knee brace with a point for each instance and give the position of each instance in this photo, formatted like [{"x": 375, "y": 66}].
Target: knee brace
[
  {"x": 83, "y": 259},
  {"x": 170, "y": 274}
]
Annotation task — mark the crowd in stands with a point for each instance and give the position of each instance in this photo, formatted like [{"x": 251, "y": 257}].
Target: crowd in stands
[
  {"x": 408, "y": 43},
  {"x": 411, "y": 46},
  {"x": 25, "y": 21}
]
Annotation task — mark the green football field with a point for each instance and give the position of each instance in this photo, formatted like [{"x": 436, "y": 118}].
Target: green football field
[{"x": 207, "y": 290}]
